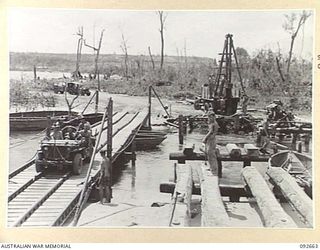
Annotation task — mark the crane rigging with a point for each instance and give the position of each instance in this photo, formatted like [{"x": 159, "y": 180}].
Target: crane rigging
[{"x": 218, "y": 93}]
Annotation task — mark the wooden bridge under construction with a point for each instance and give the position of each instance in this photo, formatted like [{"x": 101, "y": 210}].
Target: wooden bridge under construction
[
  {"x": 50, "y": 199},
  {"x": 198, "y": 179}
]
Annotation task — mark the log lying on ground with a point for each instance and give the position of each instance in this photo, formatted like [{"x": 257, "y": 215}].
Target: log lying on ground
[
  {"x": 233, "y": 150},
  {"x": 272, "y": 212},
  {"x": 293, "y": 192},
  {"x": 213, "y": 210},
  {"x": 182, "y": 196}
]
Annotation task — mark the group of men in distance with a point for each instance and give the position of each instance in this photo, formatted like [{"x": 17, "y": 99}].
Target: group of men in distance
[{"x": 84, "y": 134}]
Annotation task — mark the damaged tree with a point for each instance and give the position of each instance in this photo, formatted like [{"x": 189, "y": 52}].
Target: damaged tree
[
  {"x": 96, "y": 50},
  {"x": 289, "y": 26},
  {"x": 162, "y": 18},
  {"x": 77, "y": 73},
  {"x": 124, "y": 48},
  {"x": 151, "y": 58},
  {"x": 70, "y": 104}
]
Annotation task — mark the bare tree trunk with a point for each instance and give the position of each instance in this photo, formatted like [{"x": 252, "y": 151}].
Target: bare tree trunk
[
  {"x": 304, "y": 16},
  {"x": 279, "y": 69},
  {"x": 96, "y": 60},
  {"x": 79, "y": 49},
  {"x": 69, "y": 104},
  {"x": 35, "y": 73},
  {"x": 97, "y": 56},
  {"x": 124, "y": 48},
  {"x": 185, "y": 54},
  {"x": 161, "y": 30},
  {"x": 150, "y": 54}
]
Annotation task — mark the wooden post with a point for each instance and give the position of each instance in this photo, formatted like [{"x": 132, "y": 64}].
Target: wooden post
[
  {"x": 175, "y": 172},
  {"x": 258, "y": 142},
  {"x": 307, "y": 143},
  {"x": 213, "y": 210},
  {"x": 237, "y": 124},
  {"x": 191, "y": 124},
  {"x": 271, "y": 210},
  {"x": 233, "y": 150},
  {"x": 299, "y": 146},
  {"x": 109, "y": 133},
  {"x": 98, "y": 74},
  {"x": 246, "y": 163},
  {"x": 294, "y": 141},
  {"x": 149, "y": 107},
  {"x": 35, "y": 73},
  {"x": 180, "y": 119},
  {"x": 251, "y": 150},
  {"x": 219, "y": 168},
  {"x": 293, "y": 192},
  {"x": 97, "y": 101},
  {"x": 133, "y": 153}
]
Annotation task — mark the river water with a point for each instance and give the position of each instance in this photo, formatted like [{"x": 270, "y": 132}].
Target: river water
[{"x": 137, "y": 188}]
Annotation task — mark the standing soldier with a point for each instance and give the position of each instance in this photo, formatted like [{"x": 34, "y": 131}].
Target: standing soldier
[
  {"x": 210, "y": 142},
  {"x": 265, "y": 137},
  {"x": 105, "y": 191}
]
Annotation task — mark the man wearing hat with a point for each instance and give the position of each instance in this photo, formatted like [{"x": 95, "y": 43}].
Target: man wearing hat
[
  {"x": 210, "y": 142},
  {"x": 81, "y": 124},
  {"x": 56, "y": 134},
  {"x": 105, "y": 191}
]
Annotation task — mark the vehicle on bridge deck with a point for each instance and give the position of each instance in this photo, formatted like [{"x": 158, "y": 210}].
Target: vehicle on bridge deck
[{"x": 63, "y": 154}]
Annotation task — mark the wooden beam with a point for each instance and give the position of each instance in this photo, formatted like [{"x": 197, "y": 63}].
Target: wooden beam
[
  {"x": 225, "y": 190},
  {"x": 251, "y": 150},
  {"x": 233, "y": 150},
  {"x": 181, "y": 212},
  {"x": 293, "y": 192},
  {"x": 272, "y": 212},
  {"x": 213, "y": 210},
  {"x": 181, "y": 158}
]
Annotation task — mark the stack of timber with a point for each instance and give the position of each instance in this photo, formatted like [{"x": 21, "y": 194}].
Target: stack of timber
[{"x": 278, "y": 182}]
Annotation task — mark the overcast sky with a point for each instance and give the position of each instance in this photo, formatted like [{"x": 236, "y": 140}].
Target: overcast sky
[{"x": 203, "y": 32}]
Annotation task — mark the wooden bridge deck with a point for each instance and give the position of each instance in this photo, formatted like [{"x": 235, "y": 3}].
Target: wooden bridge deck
[{"x": 56, "y": 208}]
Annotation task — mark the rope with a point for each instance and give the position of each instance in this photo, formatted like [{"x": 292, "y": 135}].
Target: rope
[{"x": 173, "y": 209}]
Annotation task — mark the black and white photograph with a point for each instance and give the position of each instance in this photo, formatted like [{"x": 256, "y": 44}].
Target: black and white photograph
[{"x": 160, "y": 118}]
